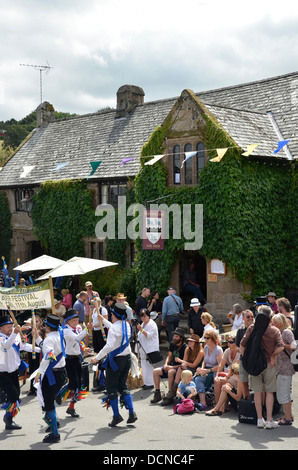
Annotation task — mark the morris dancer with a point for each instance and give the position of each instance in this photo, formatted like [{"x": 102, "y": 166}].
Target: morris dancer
[
  {"x": 10, "y": 362},
  {"x": 51, "y": 374},
  {"x": 73, "y": 335},
  {"x": 118, "y": 364},
  {"x": 99, "y": 340}
]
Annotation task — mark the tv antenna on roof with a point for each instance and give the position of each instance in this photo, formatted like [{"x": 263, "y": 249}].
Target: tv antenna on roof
[{"x": 41, "y": 68}]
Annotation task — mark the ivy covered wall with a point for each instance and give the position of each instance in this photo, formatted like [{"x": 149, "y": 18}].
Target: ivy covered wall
[
  {"x": 5, "y": 227},
  {"x": 63, "y": 214},
  {"x": 250, "y": 214}
]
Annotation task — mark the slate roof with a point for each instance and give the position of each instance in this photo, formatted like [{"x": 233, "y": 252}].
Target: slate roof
[
  {"x": 243, "y": 110},
  {"x": 278, "y": 95}
]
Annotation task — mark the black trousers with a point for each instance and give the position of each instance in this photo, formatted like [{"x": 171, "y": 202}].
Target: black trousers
[
  {"x": 74, "y": 372},
  {"x": 49, "y": 392},
  {"x": 98, "y": 341},
  {"x": 116, "y": 380},
  {"x": 9, "y": 382}
]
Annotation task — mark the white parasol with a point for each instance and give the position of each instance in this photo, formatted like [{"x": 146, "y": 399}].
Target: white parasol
[
  {"x": 41, "y": 263},
  {"x": 76, "y": 266}
]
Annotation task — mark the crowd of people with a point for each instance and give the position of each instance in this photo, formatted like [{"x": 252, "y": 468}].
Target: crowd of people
[{"x": 196, "y": 366}]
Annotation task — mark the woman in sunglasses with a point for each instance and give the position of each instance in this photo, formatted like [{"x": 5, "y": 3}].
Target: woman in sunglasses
[{"x": 230, "y": 356}]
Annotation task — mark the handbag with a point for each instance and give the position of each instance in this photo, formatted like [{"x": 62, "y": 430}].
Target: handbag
[
  {"x": 155, "y": 356},
  {"x": 247, "y": 411},
  {"x": 181, "y": 312}
]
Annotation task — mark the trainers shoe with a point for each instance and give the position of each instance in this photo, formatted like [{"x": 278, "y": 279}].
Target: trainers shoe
[
  {"x": 271, "y": 424},
  {"x": 261, "y": 423}
]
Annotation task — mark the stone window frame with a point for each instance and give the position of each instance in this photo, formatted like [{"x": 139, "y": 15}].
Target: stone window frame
[{"x": 196, "y": 162}]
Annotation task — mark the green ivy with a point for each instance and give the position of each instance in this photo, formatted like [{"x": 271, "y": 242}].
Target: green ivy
[
  {"x": 6, "y": 229},
  {"x": 63, "y": 214},
  {"x": 250, "y": 216}
]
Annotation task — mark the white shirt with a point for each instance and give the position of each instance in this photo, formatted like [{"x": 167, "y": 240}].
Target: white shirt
[
  {"x": 151, "y": 342},
  {"x": 73, "y": 338},
  {"x": 114, "y": 339},
  {"x": 95, "y": 320},
  {"x": 9, "y": 358},
  {"x": 238, "y": 320},
  {"x": 52, "y": 344}
]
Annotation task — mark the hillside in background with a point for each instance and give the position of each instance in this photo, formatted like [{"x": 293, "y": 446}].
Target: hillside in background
[{"x": 16, "y": 131}]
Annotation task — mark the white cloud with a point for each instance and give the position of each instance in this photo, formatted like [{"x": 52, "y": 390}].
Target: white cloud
[{"x": 164, "y": 46}]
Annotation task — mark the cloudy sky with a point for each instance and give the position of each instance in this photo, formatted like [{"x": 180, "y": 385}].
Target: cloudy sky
[{"x": 164, "y": 46}]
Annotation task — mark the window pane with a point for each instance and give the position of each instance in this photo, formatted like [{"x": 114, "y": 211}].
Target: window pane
[
  {"x": 176, "y": 164},
  {"x": 200, "y": 156},
  {"x": 188, "y": 165}
]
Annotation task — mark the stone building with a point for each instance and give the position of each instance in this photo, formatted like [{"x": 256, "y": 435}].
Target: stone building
[{"x": 262, "y": 112}]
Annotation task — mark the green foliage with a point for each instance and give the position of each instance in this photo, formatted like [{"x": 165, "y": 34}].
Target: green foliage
[
  {"x": 6, "y": 229},
  {"x": 62, "y": 215},
  {"x": 17, "y": 131},
  {"x": 250, "y": 216}
]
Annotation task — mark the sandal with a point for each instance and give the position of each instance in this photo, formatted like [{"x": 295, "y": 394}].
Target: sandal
[
  {"x": 284, "y": 421},
  {"x": 213, "y": 413}
]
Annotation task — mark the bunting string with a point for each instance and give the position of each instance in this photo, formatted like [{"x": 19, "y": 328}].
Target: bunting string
[{"x": 155, "y": 158}]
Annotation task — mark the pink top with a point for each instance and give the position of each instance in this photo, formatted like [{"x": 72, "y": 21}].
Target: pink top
[{"x": 67, "y": 301}]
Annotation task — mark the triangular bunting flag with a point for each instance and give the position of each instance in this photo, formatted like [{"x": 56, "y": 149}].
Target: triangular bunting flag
[
  {"x": 125, "y": 160},
  {"x": 59, "y": 166},
  {"x": 220, "y": 154},
  {"x": 27, "y": 169},
  {"x": 154, "y": 159},
  {"x": 250, "y": 149},
  {"x": 281, "y": 144},
  {"x": 94, "y": 165},
  {"x": 188, "y": 155}
]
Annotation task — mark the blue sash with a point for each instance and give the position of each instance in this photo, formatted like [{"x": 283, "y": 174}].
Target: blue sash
[
  {"x": 49, "y": 372},
  {"x": 23, "y": 364},
  {"x": 110, "y": 358}
]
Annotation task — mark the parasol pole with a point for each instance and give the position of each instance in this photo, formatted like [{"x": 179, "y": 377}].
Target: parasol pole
[
  {"x": 33, "y": 334},
  {"x": 52, "y": 295}
]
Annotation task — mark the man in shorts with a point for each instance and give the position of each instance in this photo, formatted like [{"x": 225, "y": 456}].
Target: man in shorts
[{"x": 273, "y": 345}]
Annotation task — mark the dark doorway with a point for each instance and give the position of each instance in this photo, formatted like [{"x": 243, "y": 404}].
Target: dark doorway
[
  {"x": 35, "y": 249},
  {"x": 199, "y": 261}
]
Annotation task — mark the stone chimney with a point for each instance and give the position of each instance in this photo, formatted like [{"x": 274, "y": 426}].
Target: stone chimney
[
  {"x": 128, "y": 97},
  {"x": 45, "y": 113}
]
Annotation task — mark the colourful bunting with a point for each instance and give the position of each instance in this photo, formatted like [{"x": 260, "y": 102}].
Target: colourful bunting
[
  {"x": 27, "y": 170},
  {"x": 154, "y": 159},
  {"x": 59, "y": 166},
  {"x": 125, "y": 160},
  {"x": 281, "y": 144},
  {"x": 94, "y": 165},
  {"x": 250, "y": 149},
  {"x": 188, "y": 155},
  {"x": 220, "y": 154}
]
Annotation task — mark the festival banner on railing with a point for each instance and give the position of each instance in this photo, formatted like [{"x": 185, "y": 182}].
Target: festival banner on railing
[{"x": 26, "y": 298}]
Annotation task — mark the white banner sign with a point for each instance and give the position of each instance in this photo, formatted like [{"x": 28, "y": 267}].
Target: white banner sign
[{"x": 26, "y": 298}]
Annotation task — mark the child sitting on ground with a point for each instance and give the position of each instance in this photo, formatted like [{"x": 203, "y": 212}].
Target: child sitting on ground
[
  {"x": 232, "y": 388},
  {"x": 186, "y": 388}
]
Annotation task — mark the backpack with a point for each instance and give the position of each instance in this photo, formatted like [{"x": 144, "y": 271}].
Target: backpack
[
  {"x": 254, "y": 359},
  {"x": 186, "y": 406}
]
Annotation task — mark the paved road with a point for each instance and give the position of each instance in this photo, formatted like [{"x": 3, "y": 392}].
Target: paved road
[{"x": 157, "y": 428}]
